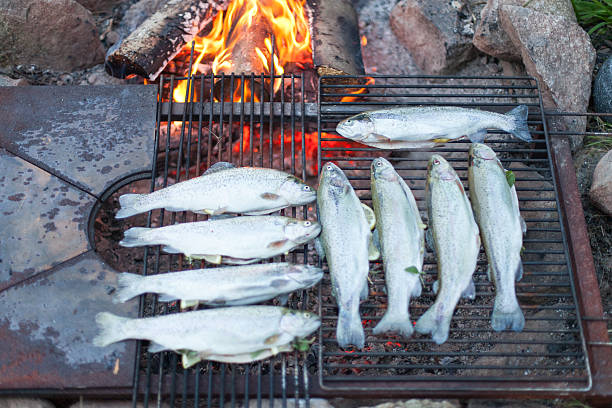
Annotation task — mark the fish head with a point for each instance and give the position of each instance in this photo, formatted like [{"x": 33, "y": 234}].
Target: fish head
[
  {"x": 439, "y": 169},
  {"x": 480, "y": 154},
  {"x": 383, "y": 170},
  {"x": 357, "y": 127},
  {"x": 296, "y": 192},
  {"x": 333, "y": 178},
  {"x": 305, "y": 275},
  {"x": 302, "y": 231},
  {"x": 299, "y": 323}
]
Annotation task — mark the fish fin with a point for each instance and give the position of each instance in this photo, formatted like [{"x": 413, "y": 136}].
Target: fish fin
[
  {"x": 435, "y": 287},
  {"x": 416, "y": 290},
  {"x": 319, "y": 248},
  {"x": 376, "y": 239},
  {"x": 221, "y": 216},
  {"x": 489, "y": 273},
  {"x": 239, "y": 261},
  {"x": 440, "y": 141},
  {"x": 270, "y": 196},
  {"x": 213, "y": 259},
  {"x": 127, "y": 287},
  {"x": 272, "y": 339},
  {"x": 263, "y": 212},
  {"x": 502, "y": 318},
  {"x": 520, "y": 129},
  {"x": 349, "y": 330},
  {"x": 135, "y": 237},
  {"x": 217, "y": 167},
  {"x": 156, "y": 347},
  {"x": 129, "y": 205},
  {"x": 523, "y": 225},
  {"x": 373, "y": 252},
  {"x": 478, "y": 137},
  {"x": 519, "y": 271},
  {"x": 186, "y": 304},
  {"x": 112, "y": 329},
  {"x": 277, "y": 244},
  {"x": 370, "y": 216},
  {"x": 283, "y": 299},
  {"x": 429, "y": 240},
  {"x": 396, "y": 323},
  {"x": 190, "y": 358},
  {"x": 365, "y": 291},
  {"x": 436, "y": 325},
  {"x": 174, "y": 209},
  {"x": 470, "y": 291},
  {"x": 217, "y": 212},
  {"x": 166, "y": 298},
  {"x": 171, "y": 250}
]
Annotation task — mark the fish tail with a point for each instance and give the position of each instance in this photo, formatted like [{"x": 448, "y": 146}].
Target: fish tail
[
  {"x": 520, "y": 128},
  {"x": 134, "y": 237},
  {"x": 434, "y": 323},
  {"x": 395, "y": 322},
  {"x": 130, "y": 205},
  {"x": 128, "y": 287},
  {"x": 112, "y": 329},
  {"x": 349, "y": 330},
  {"x": 504, "y": 317}
]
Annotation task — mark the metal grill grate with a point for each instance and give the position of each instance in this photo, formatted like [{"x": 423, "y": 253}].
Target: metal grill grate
[{"x": 550, "y": 353}]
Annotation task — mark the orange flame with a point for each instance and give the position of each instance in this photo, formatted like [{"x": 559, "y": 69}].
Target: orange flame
[
  {"x": 370, "y": 81},
  {"x": 364, "y": 40},
  {"x": 287, "y": 21}
]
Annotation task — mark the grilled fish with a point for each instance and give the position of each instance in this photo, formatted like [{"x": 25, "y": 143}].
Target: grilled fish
[
  {"x": 345, "y": 238},
  {"x": 227, "y": 286},
  {"x": 224, "y": 188},
  {"x": 426, "y": 126},
  {"x": 496, "y": 210},
  {"x": 402, "y": 244},
  {"x": 240, "y": 331},
  {"x": 235, "y": 240},
  {"x": 456, "y": 242}
]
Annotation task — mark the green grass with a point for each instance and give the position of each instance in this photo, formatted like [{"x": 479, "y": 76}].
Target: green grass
[
  {"x": 595, "y": 16},
  {"x": 602, "y": 141}
]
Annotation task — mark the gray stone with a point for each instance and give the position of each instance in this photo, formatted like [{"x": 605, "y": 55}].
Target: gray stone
[
  {"x": 602, "y": 90},
  {"x": 474, "y": 403},
  {"x": 99, "y": 6},
  {"x": 491, "y": 39},
  {"x": 420, "y": 403},
  {"x": 25, "y": 403},
  {"x": 53, "y": 34},
  {"x": 138, "y": 13},
  {"x": 434, "y": 33},
  {"x": 601, "y": 188},
  {"x": 8, "y": 81},
  {"x": 558, "y": 52}
]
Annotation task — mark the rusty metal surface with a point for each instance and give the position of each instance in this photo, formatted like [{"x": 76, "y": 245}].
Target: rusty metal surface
[
  {"x": 596, "y": 331},
  {"x": 45, "y": 220},
  {"x": 47, "y": 326},
  {"x": 91, "y": 136}
]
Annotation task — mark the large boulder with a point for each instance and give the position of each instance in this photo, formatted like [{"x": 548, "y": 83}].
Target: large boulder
[
  {"x": 601, "y": 188},
  {"x": 435, "y": 32},
  {"x": 602, "y": 90},
  {"x": 558, "y": 52},
  {"x": 491, "y": 39},
  {"x": 99, "y": 6},
  {"x": 52, "y": 34}
]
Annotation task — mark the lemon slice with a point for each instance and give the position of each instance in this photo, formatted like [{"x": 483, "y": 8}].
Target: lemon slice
[{"x": 369, "y": 213}]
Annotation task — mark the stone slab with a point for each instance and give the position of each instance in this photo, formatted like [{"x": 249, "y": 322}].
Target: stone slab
[
  {"x": 92, "y": 136},
  {"x": 44, "y": 220},
  {"x": 47, "y": 327}
]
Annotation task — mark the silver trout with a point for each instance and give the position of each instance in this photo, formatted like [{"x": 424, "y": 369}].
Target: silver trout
[
  {"x": 345, "y": 238},
  {"x": 427, "y": 126},
  {"x": 402, "y": 244},
  {"x": 230, "y": 331},
  {"x": 496, "y": 209},
  {"x": 224, "y": 188},
  {"x": 456, "y": 242},
  {"x": 227, "y": 286},
  {"x": 235, "y": 240}
]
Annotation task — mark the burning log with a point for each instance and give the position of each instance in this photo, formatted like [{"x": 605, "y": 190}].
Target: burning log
[
  {"x": 148, "y": 49},
  {"x": 336, "y": 46}
]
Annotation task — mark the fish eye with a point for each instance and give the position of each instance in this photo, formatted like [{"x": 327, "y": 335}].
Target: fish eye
[
  {"x": 307, "y": 223},
  {"x": 329, "y": 167},
  {"x": 306, "y": 188},
  {"x": 307, "y": 315},
  {"x": 436, "y": 161},
  {"x": 379, "y": 163}
]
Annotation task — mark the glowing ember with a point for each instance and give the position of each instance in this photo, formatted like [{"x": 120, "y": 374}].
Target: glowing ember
[
  {"x": 370, "y": 81},
  {"x": 364, "y": 40},
  {"x": 286, "y": 20}
]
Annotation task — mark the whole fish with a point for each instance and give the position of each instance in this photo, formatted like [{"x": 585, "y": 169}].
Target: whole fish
[
  {"x": 227, "y": 286},
  {"x": 235, "y": 240},
  {"x": 456, "y": 243},
  {"x": 497, "y": 213},
  {"x": 402, "y": 244},
  {"x": 345, "y": 238},
  {"x": 224, "y": 188},
  {"x": 426, "y": 126},
  {"x": 231, "y": 331}
]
